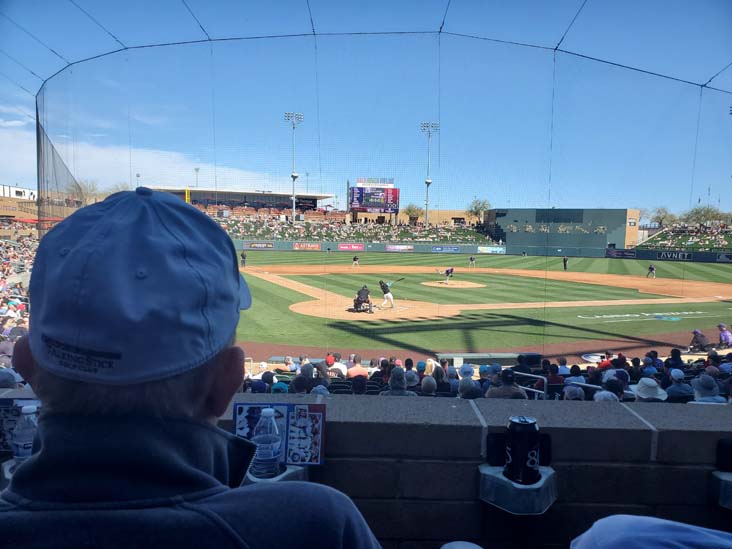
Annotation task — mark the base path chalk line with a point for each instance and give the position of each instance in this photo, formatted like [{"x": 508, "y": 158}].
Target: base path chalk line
[{"x": 334, "y": 306}]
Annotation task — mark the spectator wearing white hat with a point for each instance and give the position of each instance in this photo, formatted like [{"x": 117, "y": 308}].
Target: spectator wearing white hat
[
  {"x": 573, "y": 392},
  {"x": 647, "y": 390},
  {"x": 679, "y": 388},
  {"x": 467, "y": 371}
]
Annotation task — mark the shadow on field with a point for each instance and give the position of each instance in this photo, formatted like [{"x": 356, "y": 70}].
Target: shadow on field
[{"x": 388, "y": 332}]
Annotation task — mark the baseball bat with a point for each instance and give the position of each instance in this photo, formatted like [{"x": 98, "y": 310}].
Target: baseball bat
[{"x": 398, "y": 279}]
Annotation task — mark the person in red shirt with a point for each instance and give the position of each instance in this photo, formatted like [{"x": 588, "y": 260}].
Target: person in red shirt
[
  {"x": 553, "y": 378},
  {"x": 605, "y": 364}
]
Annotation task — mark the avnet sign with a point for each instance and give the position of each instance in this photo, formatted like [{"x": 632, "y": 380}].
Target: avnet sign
[{"x": 675, "y": 256}]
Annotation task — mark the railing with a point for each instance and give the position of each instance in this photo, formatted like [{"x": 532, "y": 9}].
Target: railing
[{"x": 545, "y": 392}]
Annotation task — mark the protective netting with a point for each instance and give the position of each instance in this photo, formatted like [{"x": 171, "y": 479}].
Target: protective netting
[{"x": 527, "y": 121}]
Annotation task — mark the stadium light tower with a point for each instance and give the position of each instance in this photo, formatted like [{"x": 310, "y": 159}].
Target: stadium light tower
[
  {"x": 196, "y": 170},
  {"x": 428, "y": 128},
  {"x": 294, "y": 118}
]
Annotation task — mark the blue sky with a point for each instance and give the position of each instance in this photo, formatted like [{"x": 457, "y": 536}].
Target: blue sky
[{"x": 620, "y": 138}]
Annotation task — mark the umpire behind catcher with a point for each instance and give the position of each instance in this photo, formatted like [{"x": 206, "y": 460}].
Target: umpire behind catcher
[{"x": 133, "y": 362}]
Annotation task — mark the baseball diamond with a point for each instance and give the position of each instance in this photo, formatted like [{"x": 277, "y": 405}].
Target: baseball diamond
[{"x": 495, "y": 306}]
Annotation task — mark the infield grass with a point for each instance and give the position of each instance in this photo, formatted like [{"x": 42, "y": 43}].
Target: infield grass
[{"x": 270, "y": 321}]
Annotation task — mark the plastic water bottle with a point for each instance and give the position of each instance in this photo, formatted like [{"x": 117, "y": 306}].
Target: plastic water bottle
[
  {"x": 266, "y": 463},
  {"x": 23, "y": 435}
]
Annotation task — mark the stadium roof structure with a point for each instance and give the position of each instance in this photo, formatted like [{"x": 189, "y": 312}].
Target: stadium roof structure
[{"x": 193, "y": 190}]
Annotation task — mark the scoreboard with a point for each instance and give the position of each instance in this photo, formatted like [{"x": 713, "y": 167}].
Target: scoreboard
[{"x": 374, "y": 199}]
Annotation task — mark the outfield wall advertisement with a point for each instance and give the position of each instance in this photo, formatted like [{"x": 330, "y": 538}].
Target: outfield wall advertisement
[
  {"x": 306, "y": 246},
  {"x": 445, "y": 249},
  {"x": 491, "y": 249},
  {"x": 350, "y": 247},
  {"x": 399, "y": 248},
  {"x": 675, "y": 256},
  {"x": 259, "y": 245}
]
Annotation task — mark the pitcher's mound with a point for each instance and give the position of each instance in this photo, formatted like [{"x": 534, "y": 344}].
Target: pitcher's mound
[{"x": 454, "y": 284}]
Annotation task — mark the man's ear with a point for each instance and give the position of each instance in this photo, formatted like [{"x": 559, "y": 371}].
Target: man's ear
[
  {"x": 23, "y": 361},
  {"x": 228, "y": 378}
]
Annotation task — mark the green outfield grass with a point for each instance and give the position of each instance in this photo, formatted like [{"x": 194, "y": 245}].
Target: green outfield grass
[
  {"x": 270, "y": 321},
  {"x": 712, "y": 272},
  {"x": 498, "y": 288}
]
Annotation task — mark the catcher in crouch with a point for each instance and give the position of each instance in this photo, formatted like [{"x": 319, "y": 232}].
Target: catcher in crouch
[
  {"x": 448, "y": 274},
  {"x": 363, "y": 299}
]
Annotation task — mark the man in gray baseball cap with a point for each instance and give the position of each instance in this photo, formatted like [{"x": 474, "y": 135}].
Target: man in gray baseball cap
[{"x": 136, "y": 302}]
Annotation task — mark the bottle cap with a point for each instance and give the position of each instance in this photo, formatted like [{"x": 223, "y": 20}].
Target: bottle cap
[
  {"x": 268, "y": 412},
  {"x": 29, "y": 409}
]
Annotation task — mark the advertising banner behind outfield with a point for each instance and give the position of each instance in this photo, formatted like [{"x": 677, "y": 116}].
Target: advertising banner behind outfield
[
  {"x": 348, "y": 247},
  {"x": 259, "y": 245},
  {"x": 724, "y": 258},
  {"x": 620, "y": 254},
  {"x": 399, "y": 248},
  {"x": 675, "y": 256},
  {"x": 491, "y": 249},
  {"x": 306, "y": 246},
  {"x": 446, "y": 249}
]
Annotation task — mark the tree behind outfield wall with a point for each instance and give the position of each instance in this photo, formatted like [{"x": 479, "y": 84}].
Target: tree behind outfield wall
[
  {"x": 477, "y": 209},
  {"x": 704, "y": 214},
  {"x": 413, "y": 212},
  {"x": 662, "y": 217},
  {"x": 83, "y": 191}
]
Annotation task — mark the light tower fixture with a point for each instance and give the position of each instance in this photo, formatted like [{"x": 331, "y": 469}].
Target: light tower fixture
[
  {"x": 293, "y": 118},
  {"x": 428, "y": 128}
]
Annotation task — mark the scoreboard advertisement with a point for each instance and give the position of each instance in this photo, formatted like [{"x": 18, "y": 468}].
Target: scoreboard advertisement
[{"x": 374, "y": 199}]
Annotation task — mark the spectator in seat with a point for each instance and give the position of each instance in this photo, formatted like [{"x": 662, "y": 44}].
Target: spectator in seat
[
  {"x": 564, "y": 370},
  {"x": 339, "y": 366},
  {"x": 129, "y": 453},
  {"x": 412, "y": 380},
  {"x": 616, "y": 387},
  {"x": 636, "y": 369},
  {"x": 443, "y": 386},
  {"x": 485, "y": 372},
  {"x": 649, "y": 370},
  {"x": 647, "y": 390},
  {"x": 606, "y": 363},
  {"x": 382, "y": 374},
  {"x": 421, "y": 367},
  {"x": 573, "y": 392},
  {"x": 605, "y": 396},
  {"x": 357, "y": 370},
  {"x": 300, "y": 384},
  {"x": 290, "y": 365},
  {"x": 706, "y": 390},
  {"x": 522, "y": 366},
  {"x": 725, "y": 367},
  {"x": 575, "y": 375},
  {"x": 359, "y": 385},
  {"x": 18, "y": 331},
  {"x": 674, "y": 361},
  {"x": 319, "y": 389},
  {"x": 279, "y": 387},
  {"x": 508, "y": 387},
  {"x": 307, "y": 370},
  {"x": 679, "y": 388},
  {"x": 408, "y": 364},
  {"x": 552, "y": 378},
  {"x": 397, "y": 384},
  {"x": 594, "y": 375},
  {"x": 429, "y": 387},
  {"x": 467, "y": 389}
]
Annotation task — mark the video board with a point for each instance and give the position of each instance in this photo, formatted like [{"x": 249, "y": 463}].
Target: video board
[{"x": 373, "y": 200}]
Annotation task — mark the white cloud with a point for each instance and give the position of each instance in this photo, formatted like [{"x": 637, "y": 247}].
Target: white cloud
[
  {"x": 13, "y": 123},
  {"x": 112, "y": 164}
]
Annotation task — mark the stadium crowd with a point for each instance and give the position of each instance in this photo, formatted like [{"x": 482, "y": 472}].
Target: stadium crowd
[
  {"x": 615, "y": 378},
  {"x": 700, "y": 238},
  {"x": 272, "y": 228}
]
